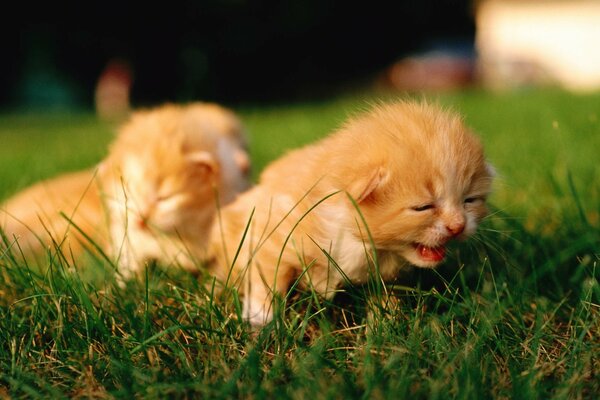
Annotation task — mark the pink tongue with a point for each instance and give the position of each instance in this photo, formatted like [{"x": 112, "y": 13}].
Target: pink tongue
[{"x": 431, "y": 253}]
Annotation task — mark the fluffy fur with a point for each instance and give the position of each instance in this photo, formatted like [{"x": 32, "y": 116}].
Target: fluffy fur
[
  {"x": 43, "y": 215},
  {"x": 415, "y": 172},
  {"x": 153, "y": 197}
]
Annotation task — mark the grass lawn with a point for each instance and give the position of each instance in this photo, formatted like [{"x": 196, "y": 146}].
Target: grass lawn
[{"x": 513, "y": 313}]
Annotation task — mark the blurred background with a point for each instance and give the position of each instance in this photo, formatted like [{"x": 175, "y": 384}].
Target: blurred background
[
  {"x": 112, "y": 54},
  {"x": 55, "y": 55}
]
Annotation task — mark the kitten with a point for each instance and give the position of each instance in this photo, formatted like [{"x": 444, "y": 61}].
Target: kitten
[
  {"x": 415, "y": 172},
  {"x": 162, "y": 196},
  {"x": 153, "y": 197}
]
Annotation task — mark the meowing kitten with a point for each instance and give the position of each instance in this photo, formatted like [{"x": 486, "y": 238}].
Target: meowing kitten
[
  {"x": 417, "y": 175},
  {"x": 153, "y": 197}
]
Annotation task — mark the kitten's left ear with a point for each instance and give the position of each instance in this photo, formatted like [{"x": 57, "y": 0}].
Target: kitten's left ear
[
  {"x": 364, "y": 186},
  {"x": 202, "y": 161}
]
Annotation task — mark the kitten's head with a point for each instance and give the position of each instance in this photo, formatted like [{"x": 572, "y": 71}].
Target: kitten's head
[
  {"x": 421, "y": 179},
  {"x": 233, "y": 143},
  {"x": 173, "y": 161}
]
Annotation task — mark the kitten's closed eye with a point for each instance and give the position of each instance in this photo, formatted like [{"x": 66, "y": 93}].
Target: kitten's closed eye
[
  {"x": 424, "y": 207},
  {"x": 431, "y": 206},
  {"x": 474, "y": 199}
]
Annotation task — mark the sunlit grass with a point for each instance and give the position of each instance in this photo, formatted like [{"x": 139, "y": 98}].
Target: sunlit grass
[{"x": 513, "y": 313}]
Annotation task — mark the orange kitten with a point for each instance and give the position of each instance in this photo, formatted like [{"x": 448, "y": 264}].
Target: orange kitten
[
  {"x": 416, "y": 173},
  {"x": 153, "y": 197},
  {"x": 161, "y": 179}
]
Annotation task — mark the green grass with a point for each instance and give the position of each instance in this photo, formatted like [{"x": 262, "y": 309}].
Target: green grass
[{"x": 513, "y": 313}]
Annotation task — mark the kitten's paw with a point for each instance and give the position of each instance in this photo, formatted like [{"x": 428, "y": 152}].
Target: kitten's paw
[
  {"x": 257, "y": 313},
  {"x": 128, "y": 269}
]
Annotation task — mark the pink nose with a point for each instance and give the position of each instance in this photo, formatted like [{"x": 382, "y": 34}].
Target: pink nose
[
  {"x": 455, "y": 229},
  {"x": 143, "y": 222}
]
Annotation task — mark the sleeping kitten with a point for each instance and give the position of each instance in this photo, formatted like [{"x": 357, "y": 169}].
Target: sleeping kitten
[
  {"x": 153, "y": 197},
  {"x": 415, "y": 172},
  {"x": 162, "y": 196}
]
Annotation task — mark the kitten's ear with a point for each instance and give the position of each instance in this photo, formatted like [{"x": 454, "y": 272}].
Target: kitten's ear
[
  {"x": 364, "y": 186},
  {"x": 490, "y": 169},
  {"x": 202, "y": 161}
]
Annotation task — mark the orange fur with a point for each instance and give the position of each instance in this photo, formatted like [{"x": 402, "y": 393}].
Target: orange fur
[
  {"x": 419, "y": 179},
  {"x": 32, "y": 218},
  {"x": 153, "y": 197}
]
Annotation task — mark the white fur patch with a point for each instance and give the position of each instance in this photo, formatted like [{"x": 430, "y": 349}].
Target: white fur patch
[
  {"x": 232, "y": 175},
  {"x": 346, "y": 250}
]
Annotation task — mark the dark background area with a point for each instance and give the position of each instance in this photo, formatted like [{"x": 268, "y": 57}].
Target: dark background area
[{"x": 228, "y": 50}]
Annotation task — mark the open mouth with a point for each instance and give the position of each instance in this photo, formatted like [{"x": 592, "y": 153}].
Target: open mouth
[{"x": 431, "y": 254}]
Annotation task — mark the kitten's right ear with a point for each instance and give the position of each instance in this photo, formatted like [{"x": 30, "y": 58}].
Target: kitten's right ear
[
  {"x": 202, "y": 161},
  {"x": 364, "y": 186},
  {"x": 490, "y": 169}
]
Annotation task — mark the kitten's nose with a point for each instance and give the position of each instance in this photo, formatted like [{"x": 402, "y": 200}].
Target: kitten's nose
[
  {"x": 456, "y": 228},
  {"x": 143, "y": 222}
]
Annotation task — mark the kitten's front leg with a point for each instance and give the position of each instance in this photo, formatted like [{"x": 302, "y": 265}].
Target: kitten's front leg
[
  {"x": 258, "y": 312},
  {"x": 258, "y": 303},
  {"x": 261, "y": 286},
  {"x": 123, "y": 252},
  {"x": 129, "y": 265}
]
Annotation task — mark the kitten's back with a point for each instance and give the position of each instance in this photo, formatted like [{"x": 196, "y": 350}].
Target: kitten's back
[{"x": 45, "y": 212}]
